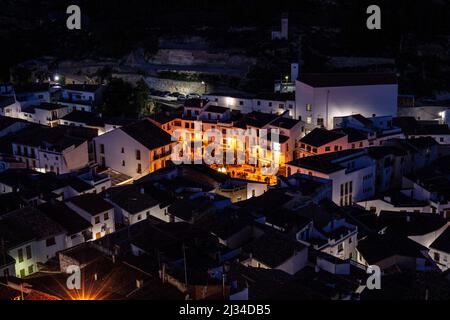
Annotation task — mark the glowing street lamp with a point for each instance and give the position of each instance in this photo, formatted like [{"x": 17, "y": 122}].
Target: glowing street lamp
[
  {"x": 204, "y": 83},
  {"x": 56, "y": 77}
]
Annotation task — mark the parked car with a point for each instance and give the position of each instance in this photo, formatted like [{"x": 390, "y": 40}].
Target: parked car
[{"x": 193, "y": 96}]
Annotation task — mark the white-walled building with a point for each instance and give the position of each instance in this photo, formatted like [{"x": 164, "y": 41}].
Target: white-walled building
[
  {"x": 440, "y": 250},
  {"x": 273, "y": 251},
  {"x": 97, "y": 211},
  {"x": 31, "y": 238},
  {"x": 81, "y": 97},
  {"x": 352, "y": 173},
  {"x": 277, "y": 103},
  {"x": 414, "y": 129},
  {"x": 395, "y": 202},
  {"x": 9, "y": 107},
  {"x": 134, "y": 150},
  {"x": 132, "y": 204},
  {"x": 10, "y": 125},
  {"x": 32, "y": 94},
  {"x": 44, "y": 113},
  {"x": 321, "y": 97},
  {"x": 77, "y": 229},
  {"x": 60, "y": 149}
]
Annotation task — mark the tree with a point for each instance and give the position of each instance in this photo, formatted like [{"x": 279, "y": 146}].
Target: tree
[
  {"x": 104, "y": 73},
  {"x": 121, "y": 99},
  {"x": 118, "y": 99},
  {"x": 141, "y": 95},
  {"x": 21, "y": 75}
]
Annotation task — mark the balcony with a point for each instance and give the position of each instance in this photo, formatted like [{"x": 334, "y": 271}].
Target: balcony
[{"x": 162, "y": 155}]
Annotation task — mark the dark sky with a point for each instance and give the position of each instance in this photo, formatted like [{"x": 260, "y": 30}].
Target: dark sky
[{"x": 30, "y": 28}]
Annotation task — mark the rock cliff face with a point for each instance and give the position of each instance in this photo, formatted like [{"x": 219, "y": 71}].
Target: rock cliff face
[
  {"x": 198, "y": 57},
  {"x": 184, "y": 87}
]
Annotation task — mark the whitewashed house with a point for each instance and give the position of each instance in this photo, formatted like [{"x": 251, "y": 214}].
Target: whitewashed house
[
  {"x": 134, "y": 150},
  {"x": 32, "y": 94},
  {"x": 321, "y": 97},
  {"x": 97, "y": 211},
  {"x": 132, "y": 204},
  {"x": 9, "y": 107},
  {"x": 60, "y": 149},
  {"x": 81, "y": 97},
  {"x": 352, "y": 173},
  {"x": 77, "y": 229},
  {"x": 31, "y": 238},
  {"x": 273, "y": 251},
  {"x": 44, "y": 113}
]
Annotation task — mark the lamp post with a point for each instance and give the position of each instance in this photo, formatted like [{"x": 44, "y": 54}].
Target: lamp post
[{"x": 204, "y": 83}]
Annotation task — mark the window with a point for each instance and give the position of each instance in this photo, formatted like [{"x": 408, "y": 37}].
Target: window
[
  {"x": 20, "y": 255},
  {"x": 122, "y": 150},
  {"x": 50, "y": 242},
  {"x": 270, "y": 104},
  {"x": 253, "y": 193},
  {"x": 258, "y": 103},
  {"x": 441, "y": 139},
  {"x": 102, "y": 148},
  {"x": 30, "y": 269},
  {"x": 320, "y": 122},
  {"x": 106, "y": 216},
  {"x": 308, "y": 107},
  {"x": 327, "y": 149},
  {"x": 437, "y": 257},
  {"x": 308, "y": 120},
  {"x": 123, "y": 163},
  {"x": 336, "y": 148},
  {"x": 139, "y": 168},
  {"x": 22, "y": 273},
  {"x": 139, "y": 217},
  {"x": 340, "y": 247},
  {"x": 28, "y": 251},
  {"x": 186, "y": 125},
  {"x": 97, "y": 220}
]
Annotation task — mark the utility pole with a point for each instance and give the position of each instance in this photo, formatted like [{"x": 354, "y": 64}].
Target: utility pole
[
  {"x": 328, "y": 97},
  {"x": 4, "y": 257},
  {"x": 185, "y": 267}
]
